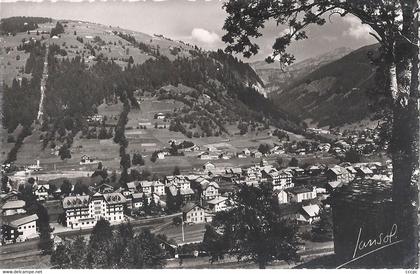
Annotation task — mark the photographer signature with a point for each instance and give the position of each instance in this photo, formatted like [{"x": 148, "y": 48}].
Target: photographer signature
[{"x": 382, "y": 240}]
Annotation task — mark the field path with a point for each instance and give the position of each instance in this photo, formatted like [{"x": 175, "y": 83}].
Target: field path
[{"x": 43, "y": 83}]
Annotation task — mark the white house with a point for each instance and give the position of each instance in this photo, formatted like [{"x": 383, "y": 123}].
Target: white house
[
  {"x": 309, "y": 214},
  {"x": 217, "y": 204},
  {"x": 209, "y": 190},
  {"x": 18, "y": 228},
  {"x": 281, "y": 196},
  {"x": 146, "y": 187},
  {"x": 158, "y": 188},
  {"x": 193, "y": 213},
  {"x": 41, "y": 191},
  {"x": 137, "y": 200},
  {"x": 299, "y": 194},
  {"x": 13, "y": 207}
]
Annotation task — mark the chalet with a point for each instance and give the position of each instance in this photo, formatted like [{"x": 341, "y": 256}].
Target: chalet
[
  {"x": 299, "y": 194},
  {"x": 209, "y": 155},
  {"x": 281, "y": 195},
  {"x": 209, "y": 190},
  {"x": 179, "y": 181},
  {"x": 18, "y": 228},
  {"x": 296, "y": 171},
  {"x": 364, "y": 172},
  {"x": 314, "y": 170},
  {"x": 217, "y": 204},
  {"x": 85, "y": 160},
  {"x": 208, "y": 166},
  {"x": 352, "y": 171},
  {"x": 193, "y": 213},
  {"x": 236, "y": 171},
  {"x": 160, "y": 116},
  {"x": 381, "y": 178},
  {"x": 217, "y": 171},
  {"x": 161, "y": 125},
  {"x": 324, "y": 147},
  {"x": 309, "y": 214},
  {"x": 256, "y": 154},
  {"x": 277, "y": 150},
  {"x": 161, "y": 155},
  {"x": 158, "y": 188},
  {"x": 41, "y": 191},
  {"x": 246, "y": 152},
  {"x": 13, "y": 207},
  {"x": 146, "y": 187},
  {"x": 338, "y": 173},
  {"x": 131, "y": 186},
  {"x": 137, "y": 200}
]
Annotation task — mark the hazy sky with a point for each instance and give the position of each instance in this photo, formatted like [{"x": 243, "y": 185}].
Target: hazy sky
[{"x": 199, "y": 22}]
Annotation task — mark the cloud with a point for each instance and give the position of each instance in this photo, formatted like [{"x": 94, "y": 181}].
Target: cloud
[
  {"x": 357, "y": 29},
  {"x": 204, "y": 36}
]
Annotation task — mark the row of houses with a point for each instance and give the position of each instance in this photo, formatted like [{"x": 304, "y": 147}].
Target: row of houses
[{"x": 16, "y": 225}]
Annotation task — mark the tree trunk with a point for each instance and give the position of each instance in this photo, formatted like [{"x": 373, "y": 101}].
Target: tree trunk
[{"x": 405, "y": 142}]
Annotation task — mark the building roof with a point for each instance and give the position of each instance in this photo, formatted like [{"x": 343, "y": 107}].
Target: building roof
[
  {"x": 365, "y": 170},
  {"x": 137, "y": 195},
  {"x": 205, "y": 184},
  {"x": 217, "y": 200},
  {"x": 146, "y": 184},
  {"x": 335, "y": 170},
  {"x": 24, "y": 220},
  {"x": 236, "y": 170},
  {"x": 189, "y": 206},
  {"x": 13, "y": 204},
  {"x": 157, "y": 183},
  {"x": 46, "y": 186},
  {"x": 114, "y": 198},
  {"x": 131, "y": 185},
  {"x": 186, "y": 191},
  {"x": 335, "y": 184},
  {"x": 17, "y": 220},
  {"x": 76, "y": 201},
  {"x": 311, "y": 210},
  {"x": 298, "y": 190},
  {"x": 351, "y": 169},
  {"x": 173, "y": 190}
]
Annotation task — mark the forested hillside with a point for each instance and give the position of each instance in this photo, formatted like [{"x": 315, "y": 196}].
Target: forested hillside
[
  {"x": 336, "y": 93},
  {"x": 216, "y": 89}
]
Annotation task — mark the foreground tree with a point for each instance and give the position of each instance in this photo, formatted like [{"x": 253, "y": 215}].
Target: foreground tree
[
  {"x": 395, "y": 25},
  {"x": 99, "y": 247},
  {"x": 215, "y": 244},
  {"x": 60, "y": 258},
  {"x": 254, "y": 230},
  {"x": 322, "y": 230}
]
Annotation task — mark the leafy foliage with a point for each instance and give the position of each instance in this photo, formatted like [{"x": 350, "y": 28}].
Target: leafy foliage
[
  {"x": 111, "y": 248},
  {"x": 253, "y": 228}
]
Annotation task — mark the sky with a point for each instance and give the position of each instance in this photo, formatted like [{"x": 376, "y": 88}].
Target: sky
[{"x": 198, "y": 22}]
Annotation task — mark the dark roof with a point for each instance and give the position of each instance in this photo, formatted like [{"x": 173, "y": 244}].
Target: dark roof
[
  {"x": 17, "y": 220},
  {"x": 298, "y": 190},
  {"x": 188, "y": 207}
]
